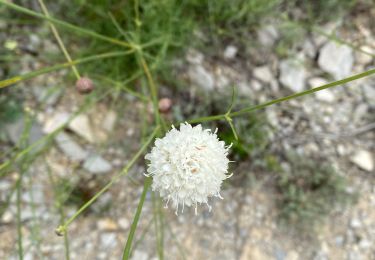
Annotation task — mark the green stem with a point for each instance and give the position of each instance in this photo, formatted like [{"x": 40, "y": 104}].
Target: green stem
[
  {"x": 62, "y": 229},
  {"x": 68, "y": 25},
  {"x": 19, "y": 222},
  {"x": 133, "y": 227},
  {"x": 16, "y": 79},
  {"x": 279, "y": 100}
]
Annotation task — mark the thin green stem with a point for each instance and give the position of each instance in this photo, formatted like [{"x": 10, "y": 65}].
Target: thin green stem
[
  {"x": 58, "y": 39},
  {"x": 62, "y": 229},
  {"x": 16, "y": 79},
  {"x": 133, "y": 227},
  {"x": 279, "y": 100},
  {"x": 69, "y": 26},
  {"x": 19, "y": 219}
]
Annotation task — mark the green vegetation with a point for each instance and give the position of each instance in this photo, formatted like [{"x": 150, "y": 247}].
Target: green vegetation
[{"x": 308, "y": 192}]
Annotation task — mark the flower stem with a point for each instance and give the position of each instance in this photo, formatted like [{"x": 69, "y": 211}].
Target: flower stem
[
  {"x": 279, "y": 100},
  {"x": 16, "y": 79},
  {"x": 133, "y": 227},
  {"x": 62, "y": 229}
]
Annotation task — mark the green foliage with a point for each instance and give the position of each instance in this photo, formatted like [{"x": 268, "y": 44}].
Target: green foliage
[
  {"x": 10, "y": 107},
  {"x": 253, "y": 136},
  {"x": 309, "y": 191}
]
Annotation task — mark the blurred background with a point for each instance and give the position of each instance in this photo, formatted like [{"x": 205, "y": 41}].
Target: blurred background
[{"x": 303, "y": 184}]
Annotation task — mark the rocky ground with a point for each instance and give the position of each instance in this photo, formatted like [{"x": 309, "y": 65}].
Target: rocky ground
[{"x": 337, "y": 124}]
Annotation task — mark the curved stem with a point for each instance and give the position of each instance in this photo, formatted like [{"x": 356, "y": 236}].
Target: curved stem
[
  {"x": 68, "y": 25},
  {"x": 16, "y": 79},
  {"x": 62, "y": 229},
  {"x": 279, "y": 100}
]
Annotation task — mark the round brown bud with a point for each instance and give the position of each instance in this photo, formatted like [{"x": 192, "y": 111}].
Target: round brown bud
[
  {"x": 165, "y": 105},
  {"x": 84, "y": 85}
]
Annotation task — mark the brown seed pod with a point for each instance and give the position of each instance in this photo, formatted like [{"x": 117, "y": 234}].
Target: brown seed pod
[
  {"x": 84, "y": 85},
  {"x": 165, "y": 105}
]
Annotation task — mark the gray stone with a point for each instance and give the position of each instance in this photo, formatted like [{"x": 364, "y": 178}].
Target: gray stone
[
  {"x": 292, "y": 75},
  {"x": 369, "y": 91},
  {"x": 82, "y": 127},
  {"x": 230, "y": 52},
  {"x": 201, "y": 77},
  {"x": 364, "y": 57},
  {"x": 263, "y": 73},
  {"x": 268, "y": 35},
  {"x": 96, "y": 164},
  {"x": 363, "y": 159},
  {"x": 108, "y": 240},
  {"x": 336, "y": 60},
  {"x": 140, "y": 255},
  {"x": 69, "y": 147},
  {"x": 194, "y": 57},
  {"x": 355, "y": 223},
  {"x": 55, "y": 122},
  {"x": 325, "y": 95}
]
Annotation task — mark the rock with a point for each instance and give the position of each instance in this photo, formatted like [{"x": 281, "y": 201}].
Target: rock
[
  {"x": 201, "y": 77},
  {"x": 369, "y": 91},
  {"x": 96, "y": 164},
  {"x": 108, "y": 240},
  {"x": 55, "y": 122},
  {"x": 230, "y": 52},
  {"x": 109, "y": 121},
  {"x": 255, "y": 85},
  {"x": 325, "y": 95},
  {"x": 268, "y": 35},
  {"x": 355, "y": 223},
  {"x": 7, "y": 217},
  {"x": 69, "y": 147},
  {"x": 107, "y": 224},
  {"x": 292, "y": 75},
  {"x": 364, "y": 57},
  {"x": 45, "y": 95},
  {"x": 194, "y": 57},
  {"x": 263, "y": 73},
  {"x": 363, "y": 159},
  {"x": 309, "y": 49},
  {"x": 16, "y": 129},
  {"x": 124, "y": 223},
  {"x": 339, "y": 241},
  {"x": 336, "y": 59},
  {"x": 82, "y": 127},
  {"x": 139, "y": 255}
]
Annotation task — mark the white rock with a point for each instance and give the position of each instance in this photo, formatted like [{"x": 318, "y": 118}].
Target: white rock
[
  {"x": 107, "y": 224},
  {"x": 292, "y": 75},
  {"x": 255, "y": 85},
  {"x": 364, "y": 57},
  {"x": 230, "y": 52},
  {"x": 355, "y": 223},
  {"x": 325, "y": 95},
  {"x": 55, "y": 122},
  {"x": 124, "y": 223},
  {"x": 194, "y": 57},
  {"x": 140, "y": 255},
  {"x": 69, "y": 147},
  {"x": 263, "y": 73},
  {"x": 309, "y": 49},
  {"x": 201, "y": 77},
  {"x": 82, "y": 127},
  {"x": 363, "y": 159},
  {"x": 108, "y": 240},
  {"x": 369, "y": 91},
  {"x": 268, "y": 35},
  {"x": 96, "y": 164},
  {"x": 109, "y": 121},
  {"x": 336, "y": 59}
]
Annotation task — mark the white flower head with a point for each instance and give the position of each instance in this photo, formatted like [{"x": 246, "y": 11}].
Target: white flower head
[{"x": 188, "y": 166}]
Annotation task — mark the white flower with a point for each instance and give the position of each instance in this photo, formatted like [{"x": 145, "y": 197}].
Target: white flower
[{"x": 188, "y": 166}]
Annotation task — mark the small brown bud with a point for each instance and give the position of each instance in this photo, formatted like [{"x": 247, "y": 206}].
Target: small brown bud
[
  {"x": 84, "y": 85},
  {"x": 165, "y": 105}
]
